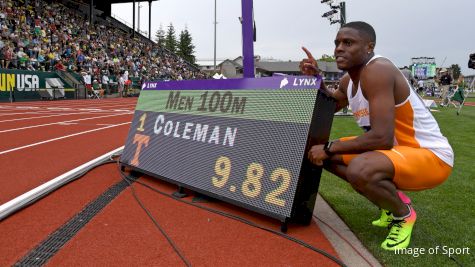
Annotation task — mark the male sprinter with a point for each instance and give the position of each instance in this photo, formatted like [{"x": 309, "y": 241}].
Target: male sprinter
[{"x": 402, "y": 147}]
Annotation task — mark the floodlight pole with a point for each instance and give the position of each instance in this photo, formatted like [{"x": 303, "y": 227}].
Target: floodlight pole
[
  {"x": 133, "y": 19},
  {"x": 247, "y": 39},
  {"x": 150, "y": 20},
  {"x": 342, "y": 14},
  {"x": 138, "y": 18}
]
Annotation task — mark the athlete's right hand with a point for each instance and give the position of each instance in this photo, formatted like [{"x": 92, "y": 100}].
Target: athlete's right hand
[
  {"x": 317, "y": 155},
  {"x": 308, "y": 66}
]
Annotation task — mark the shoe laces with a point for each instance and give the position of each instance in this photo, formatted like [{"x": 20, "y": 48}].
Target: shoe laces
[{"x": 395, "y": 226}]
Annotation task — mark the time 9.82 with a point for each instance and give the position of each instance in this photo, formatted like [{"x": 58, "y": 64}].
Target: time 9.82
[{"x": 253, "y": 179}]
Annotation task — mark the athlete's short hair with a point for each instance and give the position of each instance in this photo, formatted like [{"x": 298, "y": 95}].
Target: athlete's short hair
[{"x": 363, "y": 28}]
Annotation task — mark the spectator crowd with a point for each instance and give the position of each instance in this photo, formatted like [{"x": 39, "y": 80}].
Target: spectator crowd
[{"x": 53, "y": 37}]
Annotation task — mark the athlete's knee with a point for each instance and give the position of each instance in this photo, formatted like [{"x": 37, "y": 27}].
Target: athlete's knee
[{"x": 361, "y": 172}]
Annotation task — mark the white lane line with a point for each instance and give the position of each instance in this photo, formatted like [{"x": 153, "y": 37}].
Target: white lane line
[
  {"x": 55, "y": 112},
  {"x": 59, "y": 138},
  {"x": 29, "y": 113},
  {"x": 91, "y": 109},
  {"x": 40, "y": 117},
  {"x": 58, "y": 108},
  {"x": 26, "y": 107},
  {"x": 75, "y": 105},
  {"x": 111, "y": 105},
  {"x": 34, "y": 194},
  {"x": 61, "y": 123}
]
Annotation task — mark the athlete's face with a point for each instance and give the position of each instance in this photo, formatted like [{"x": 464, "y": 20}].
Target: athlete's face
[{"x": 351, "y": 48}]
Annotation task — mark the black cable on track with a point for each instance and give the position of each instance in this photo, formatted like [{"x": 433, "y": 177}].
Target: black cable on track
[
  {"x": 231, "y": 216},
  {"x": 53, "y": 243}
]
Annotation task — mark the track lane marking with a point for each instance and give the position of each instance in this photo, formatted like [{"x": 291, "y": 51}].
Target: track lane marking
[
  {"x": 61, "y": 123},
  {"x": 50, "y": 110},
  {"x": 92, "y": 105},
  {"x": 29, "y": 113},
  {"x": 61, "y": 137},
  {"x": 73, "y": 106},
  {"x": 78, "y": 113}
]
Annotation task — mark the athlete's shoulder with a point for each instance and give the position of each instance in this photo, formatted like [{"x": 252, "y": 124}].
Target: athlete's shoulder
[
  {"x": 380, "y": 62},
  {"x": 379, "y": 68}
]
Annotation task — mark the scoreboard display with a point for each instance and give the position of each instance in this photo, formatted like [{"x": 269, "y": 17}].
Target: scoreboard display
[
  {"x": 243, "y": 141},
  {"x": 424, "y": 71}
]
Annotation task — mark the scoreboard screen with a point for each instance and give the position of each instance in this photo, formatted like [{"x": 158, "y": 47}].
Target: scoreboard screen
[
  {"x": 240, "y": 140},
  {"x": 424, "y": 71}
]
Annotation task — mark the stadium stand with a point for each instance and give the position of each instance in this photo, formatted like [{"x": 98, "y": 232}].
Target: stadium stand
[{"x": 57, "y": 36}]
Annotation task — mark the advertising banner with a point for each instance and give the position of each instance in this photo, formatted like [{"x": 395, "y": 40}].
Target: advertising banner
[{"x": 27, "y": 85}]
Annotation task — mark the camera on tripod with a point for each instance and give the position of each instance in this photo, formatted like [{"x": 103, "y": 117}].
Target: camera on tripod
[{"x": 471, "y": 61}]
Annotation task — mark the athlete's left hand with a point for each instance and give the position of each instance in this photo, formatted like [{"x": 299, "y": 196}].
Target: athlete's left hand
[{"x": 317, "y": 155}]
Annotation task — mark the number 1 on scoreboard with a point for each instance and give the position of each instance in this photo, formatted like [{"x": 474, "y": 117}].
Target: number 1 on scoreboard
[{"x": 142, "y": 122}]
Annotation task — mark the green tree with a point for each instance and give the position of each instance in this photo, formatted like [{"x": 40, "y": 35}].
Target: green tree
[
  {"x": 327, "y": 58},
  {"x": 170, "y": 39},
  {"x": 455, "y": 71},
  {"x": 160, "y": 36},
  {"x": 186, "y": 49}
]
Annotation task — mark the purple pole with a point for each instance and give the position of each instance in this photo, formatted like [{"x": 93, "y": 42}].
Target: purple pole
[{"x": 247, "y": 39}]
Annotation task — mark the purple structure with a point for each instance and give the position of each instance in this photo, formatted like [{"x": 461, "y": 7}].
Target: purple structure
[{"x": 247, "y": 39}]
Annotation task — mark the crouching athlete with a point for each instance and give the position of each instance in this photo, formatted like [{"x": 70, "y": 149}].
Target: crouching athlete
[{"x": 402, "y": 147}]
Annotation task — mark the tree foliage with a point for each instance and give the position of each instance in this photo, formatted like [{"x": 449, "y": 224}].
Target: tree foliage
[
  {"x": 455, "y": 71},
  {"x": 185, "y": 48},
  {"x": 170, "y": 39},
  {"x": 327, "y": 58},
  {"x": 160, "y": 36}
]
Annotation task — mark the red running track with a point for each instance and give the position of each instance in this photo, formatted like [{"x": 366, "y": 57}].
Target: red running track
[
  {"x": 46, "y": 139},
  {"x": 34, "y": 149}
]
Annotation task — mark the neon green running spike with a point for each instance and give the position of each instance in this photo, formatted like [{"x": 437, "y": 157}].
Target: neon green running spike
[
  {"x": 399, "y": 236},
  {"x": 384, "y": 220}
]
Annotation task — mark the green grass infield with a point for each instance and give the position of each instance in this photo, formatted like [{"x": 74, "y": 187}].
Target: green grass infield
[{"x": 446, "y": 214}]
